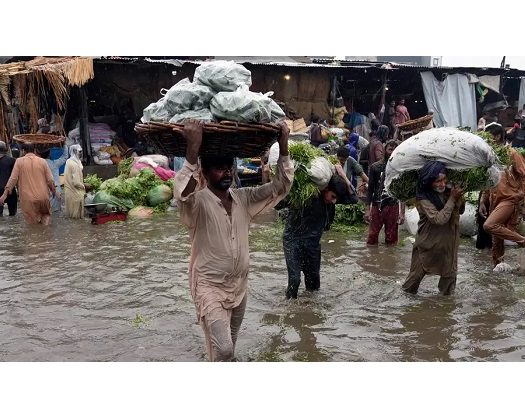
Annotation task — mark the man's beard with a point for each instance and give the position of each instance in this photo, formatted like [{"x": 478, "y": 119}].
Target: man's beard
[{"x": 224, "y": 183}]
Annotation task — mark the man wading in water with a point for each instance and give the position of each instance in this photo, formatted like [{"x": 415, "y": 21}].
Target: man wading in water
[
  {"x": 436, "y": 247},
  {"x": 218, "y": 219}
]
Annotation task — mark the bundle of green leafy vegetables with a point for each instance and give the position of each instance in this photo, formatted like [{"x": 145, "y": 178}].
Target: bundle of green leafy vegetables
[
  {"x": 94, "y": 181},
  {"x": 136, "y": 188},
  {"x": 303, "y": 188},
  {"x": 475, "y": 179}
]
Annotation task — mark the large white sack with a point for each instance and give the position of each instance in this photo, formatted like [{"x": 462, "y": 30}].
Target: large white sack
[
  {"x": 456, "y": 149},
  {"x": 411, "y": 220},
  {"x": 467, "y": 221},
  {"x": 321, "y": 171}
]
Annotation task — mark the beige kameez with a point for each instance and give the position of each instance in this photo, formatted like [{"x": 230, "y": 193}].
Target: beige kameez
[
  {"x": 35, "y": 180},
  {"x": 74, "y": 190},
  {"x": 220, "y": 256}
]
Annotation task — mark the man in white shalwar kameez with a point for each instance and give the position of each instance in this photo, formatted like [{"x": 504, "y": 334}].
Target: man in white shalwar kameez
[{"x": 74, "y": 189}]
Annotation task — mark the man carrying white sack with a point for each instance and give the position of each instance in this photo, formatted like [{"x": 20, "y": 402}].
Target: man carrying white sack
[{"x": 218, "y": 219}]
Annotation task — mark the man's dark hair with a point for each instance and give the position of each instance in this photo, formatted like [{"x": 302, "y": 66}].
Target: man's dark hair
[
  {"x": 338, "y": 186},
  {"x": 343, "y": 152},
  {"x": 44, "y": 153},
  {"x": 391, "y": 143},
  {"x": 3, "y": 147},
  {"x": 315, "y": 118},
  {"x": 28, "y": 147},
  {"x": 210, "y": 162},
  {"x": 382, "y": 132},
  {"x": 496, "y": 129}
]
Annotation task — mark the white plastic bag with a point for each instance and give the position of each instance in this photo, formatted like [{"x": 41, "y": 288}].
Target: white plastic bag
[
  {"x": 503, "y": 267},
  {"x": 321, "y": 171},
  {"x": 411, "y": 220},
  {"x": 223, "y": 76},
  {"x": 457, "y": 150},
  {"x": 467, "y": 221},
  {"x": 200, "y": 115},
  {"x": 244, "y": 106},
  {"x": 185, "y": 96},
  {"x": 156, "y": 112}
]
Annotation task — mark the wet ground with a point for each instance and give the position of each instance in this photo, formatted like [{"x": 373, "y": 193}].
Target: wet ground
[{"x": 118, "y": 292}]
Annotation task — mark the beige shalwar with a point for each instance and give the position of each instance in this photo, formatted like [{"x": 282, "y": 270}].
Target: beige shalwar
[
  {"x": 74, "y": 190},
  {"x": 219, "y": 262},
  {"x": 35, "y": 180}
]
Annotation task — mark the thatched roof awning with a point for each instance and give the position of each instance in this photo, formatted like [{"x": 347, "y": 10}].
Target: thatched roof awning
[
  {"x": 23, "y": 83},
  {"x": 76, "y": 71}
]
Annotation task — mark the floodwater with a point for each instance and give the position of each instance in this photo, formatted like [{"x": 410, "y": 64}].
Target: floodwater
[{"x": 119, "y": 292}]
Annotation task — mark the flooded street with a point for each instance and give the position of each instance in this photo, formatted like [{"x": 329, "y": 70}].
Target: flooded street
[{"x": 119, "y": 292}]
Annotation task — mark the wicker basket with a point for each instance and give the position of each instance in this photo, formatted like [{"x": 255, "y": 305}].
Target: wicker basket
[
  {"x": 46, "y": 140},
  {"x": 227, "y": 138},
  {"x": 416, "y": 124}
]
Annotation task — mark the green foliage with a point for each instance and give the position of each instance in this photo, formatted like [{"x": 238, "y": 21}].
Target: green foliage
[
  {"x": 124, "y": 166},
  {"x": 349, "y": 218},
  {"x": 303, "y": 189},
  {"x": 94, "y": 181},
  {"x": 136, "y": 188}
]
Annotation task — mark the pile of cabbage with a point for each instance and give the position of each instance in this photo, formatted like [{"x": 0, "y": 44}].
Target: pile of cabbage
[{"x": 145, "y": 190}]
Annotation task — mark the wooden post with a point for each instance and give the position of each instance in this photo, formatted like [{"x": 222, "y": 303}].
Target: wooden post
[{"x": 84, "y": 127}]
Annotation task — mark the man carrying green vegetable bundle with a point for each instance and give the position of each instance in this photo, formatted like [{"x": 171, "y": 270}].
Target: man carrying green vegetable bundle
[
  {"x": 437, "y": 241},
  {"x": 218, "y": 218},
  {"x": 302, "y": 236}
]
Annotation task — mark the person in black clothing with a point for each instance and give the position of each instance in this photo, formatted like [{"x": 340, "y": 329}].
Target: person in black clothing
[
  {"x": 302, "y": 236},
  {"x": 6, "y": 167}
]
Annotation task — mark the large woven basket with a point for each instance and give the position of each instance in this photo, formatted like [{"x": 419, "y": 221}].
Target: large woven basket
[
  {"x": 226, "y": 138},
  {"x": 416, "y": 124},
  {"x": 39, "y": 139}
]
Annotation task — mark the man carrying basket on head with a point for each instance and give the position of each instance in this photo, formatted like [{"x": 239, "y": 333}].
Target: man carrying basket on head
[
  {"x": 218, "y": 218},
  {"x": 35, "y": 180}
]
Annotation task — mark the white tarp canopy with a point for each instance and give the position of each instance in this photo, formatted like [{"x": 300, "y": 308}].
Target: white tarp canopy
[{"x": 452, "y": 100}]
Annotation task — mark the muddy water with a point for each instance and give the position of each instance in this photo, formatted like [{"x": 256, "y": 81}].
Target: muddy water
[{"x": 118, "y": 292}]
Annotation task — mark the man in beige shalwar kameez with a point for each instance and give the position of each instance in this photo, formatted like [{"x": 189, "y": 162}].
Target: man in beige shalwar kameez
[
  {"x": 74, "y": 189},
  {"x": 218, "y": 219},
  {"x": 437, "y": 242},
  {"x": 35, "y": 181}
]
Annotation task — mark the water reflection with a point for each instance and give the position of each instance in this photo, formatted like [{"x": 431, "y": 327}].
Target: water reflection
[{"x": 296, "y": 336}]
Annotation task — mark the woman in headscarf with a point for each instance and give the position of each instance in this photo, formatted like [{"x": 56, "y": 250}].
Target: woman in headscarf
[
  {"x": 436, "y": 247},
  {"x": 505, "y": 203},
  {"x": 74, "y": 189}
]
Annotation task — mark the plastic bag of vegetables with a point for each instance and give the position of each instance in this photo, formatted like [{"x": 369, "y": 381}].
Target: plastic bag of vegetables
[
  {"x": 223, "y": 76},
  {"x": 245, "y": 106},
  {"x": 472, "y": 162}
]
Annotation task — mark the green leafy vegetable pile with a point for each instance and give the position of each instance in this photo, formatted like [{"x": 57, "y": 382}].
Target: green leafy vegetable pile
[
  {"x": 137, "y": 189},
  {"x": 94, "y": 181},
  {"x": 303, "y": 189}
]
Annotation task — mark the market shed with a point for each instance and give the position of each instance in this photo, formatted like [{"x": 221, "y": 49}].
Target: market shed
[{"x": 40, "y": 86}]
